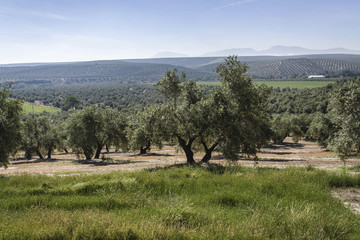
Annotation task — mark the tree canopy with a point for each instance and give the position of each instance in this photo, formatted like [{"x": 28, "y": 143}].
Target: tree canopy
[
  {"x": 91, "y": 128},
  {"x": 232, "y": 117},
  {"x": 10, "y": 125},
  {"x": 345, "y": 111}
]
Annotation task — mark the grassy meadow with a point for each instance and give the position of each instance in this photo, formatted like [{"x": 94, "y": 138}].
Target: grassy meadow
[
  {"x": 179, "y": 203},
  {"x": 34, "y": 108},
  {"x": 282, "y": 84}
]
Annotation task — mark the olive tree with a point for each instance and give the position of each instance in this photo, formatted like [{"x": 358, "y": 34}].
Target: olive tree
[
  {"x": 114, "y": 131},
  {"x": 91, "y": 128},
  {"x": 280, "y": 126},
  {"x": 71, "y": 102},
  {"x": 231, "y": 118},
  {"x": 322, "y": 129},
  {"x": 40, "y": 136},
  {"x": 141, "y": 131},
  {"x": 10, "y": 125},
  {"x": 345, "y": 112}
]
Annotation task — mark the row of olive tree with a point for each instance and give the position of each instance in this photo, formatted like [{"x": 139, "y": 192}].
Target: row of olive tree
[
  {"x": 337, "y": 130},
  {"x": 230, "y": 118}
]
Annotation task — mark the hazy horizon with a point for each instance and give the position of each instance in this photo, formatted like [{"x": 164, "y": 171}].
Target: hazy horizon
[{"x": 84, "y": 30}]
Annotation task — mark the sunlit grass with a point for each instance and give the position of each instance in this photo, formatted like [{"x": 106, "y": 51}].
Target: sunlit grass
[
  {"x": 178, "y": 203},
  {"x": 34, "y": 108}
]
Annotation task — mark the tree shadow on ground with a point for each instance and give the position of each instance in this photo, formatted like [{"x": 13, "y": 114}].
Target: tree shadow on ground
[
  {"x": 152, "y": 155},
  {"x": 106, "y": 163},
  {"x": 37, "y": 160},
  {"x": 274, "y": 152},
  {"x": 284, "y": 145},
  {"x": 279, "y": 160}
]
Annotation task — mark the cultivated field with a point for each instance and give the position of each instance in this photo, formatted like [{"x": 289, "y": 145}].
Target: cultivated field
[
  {"x": 35, "y": 108},
  {"x": 282, "y": 83}
]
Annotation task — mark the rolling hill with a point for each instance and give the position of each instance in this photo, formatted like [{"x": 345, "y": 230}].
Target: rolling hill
[
  {"x": 198, "y": 69},
  {"x": 297, "y": 67},
  {"x": 96, "y": 71},
  {"x": 279, "y": 51}
]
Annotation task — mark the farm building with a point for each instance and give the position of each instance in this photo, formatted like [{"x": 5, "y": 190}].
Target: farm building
[{"x": 316, "y": 76}]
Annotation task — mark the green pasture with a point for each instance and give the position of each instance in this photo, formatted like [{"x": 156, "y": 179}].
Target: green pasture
[
  {"x": 282, "y": 84},
  {"x": 34, "y": 108},
  {"x": 179, "y": 203}
]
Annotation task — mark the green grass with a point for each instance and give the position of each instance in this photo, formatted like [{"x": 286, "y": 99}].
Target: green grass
[
  {"x": 178, "y": 203},
  {"x": 34, "y": 108},
  {"x": 282, "y": 84}
]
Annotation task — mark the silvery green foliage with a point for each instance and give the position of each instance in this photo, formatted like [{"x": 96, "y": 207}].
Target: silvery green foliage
[
  {"x": 10, "y": 125},
  {"x": 345, "y": 109},
  {"x": 231, "y": 118}
]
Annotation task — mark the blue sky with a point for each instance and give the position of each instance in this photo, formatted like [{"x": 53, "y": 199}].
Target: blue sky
[{"x": 64, "y": 30}]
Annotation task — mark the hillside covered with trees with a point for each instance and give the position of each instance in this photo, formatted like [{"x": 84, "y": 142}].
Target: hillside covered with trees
[
  {"x": 197, "y": 69},
  {"x": 234, "y": 117}
]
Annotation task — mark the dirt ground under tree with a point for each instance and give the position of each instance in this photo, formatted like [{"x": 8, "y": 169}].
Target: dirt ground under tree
[{"x": 301, "y": 154}]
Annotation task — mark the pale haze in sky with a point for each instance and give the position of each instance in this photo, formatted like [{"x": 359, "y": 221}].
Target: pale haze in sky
[{"x": 77, "y": 30}]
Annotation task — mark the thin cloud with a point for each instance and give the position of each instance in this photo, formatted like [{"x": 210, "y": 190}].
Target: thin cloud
[
  {"x": 234, "y": 4},
  {"x": 48, "y": 15}
]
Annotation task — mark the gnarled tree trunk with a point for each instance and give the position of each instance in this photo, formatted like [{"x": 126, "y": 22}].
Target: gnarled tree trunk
[
  {"x": 49, "y": 153},
  {"x": 208, "y": 151},
  {"x": 187, "y": 149},
  {"x": 142, "y": 150},
  {"x": 98, "y": 151},
  {"x": 39, "y": 154}
]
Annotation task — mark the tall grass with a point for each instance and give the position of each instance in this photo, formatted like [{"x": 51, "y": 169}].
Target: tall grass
[{"x": 178, "y": 203}]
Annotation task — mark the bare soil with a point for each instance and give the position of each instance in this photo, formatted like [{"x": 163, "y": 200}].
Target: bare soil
[
  {"x": 350, "y": 197},
  {"x": 303, "y": 153}
]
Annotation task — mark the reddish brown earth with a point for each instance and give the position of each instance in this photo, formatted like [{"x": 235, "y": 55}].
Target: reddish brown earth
[{"x": 303, "y": 153}]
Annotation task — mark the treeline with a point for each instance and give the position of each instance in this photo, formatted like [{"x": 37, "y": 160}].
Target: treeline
[
  {"x": 300, "y": 101},
  {"x": 115, "y": 95},
  {"x": 336, "y": 129},
  {"x": 91, "y": 72},
  {"x": 234, "y": 118},
  {"x": 125, "y": 97},
  {"x": 303, "y": 67}
]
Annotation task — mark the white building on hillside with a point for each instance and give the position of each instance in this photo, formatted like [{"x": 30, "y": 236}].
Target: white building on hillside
[{"x": 316, "y": 76}]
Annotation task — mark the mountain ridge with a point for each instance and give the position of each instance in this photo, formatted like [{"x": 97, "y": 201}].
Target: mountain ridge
[{"x": 279, "y": 51}]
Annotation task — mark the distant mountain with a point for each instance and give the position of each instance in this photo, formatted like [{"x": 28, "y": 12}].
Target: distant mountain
[
  {"x": 294, "y": 50},
  {"x": 233, "y": 51},
  {"x": 279, "y": 51},
  {"x": 169, "y": 55}
]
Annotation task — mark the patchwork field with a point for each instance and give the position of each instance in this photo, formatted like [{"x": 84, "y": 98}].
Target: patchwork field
[{"x": 35, "y": 108}]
